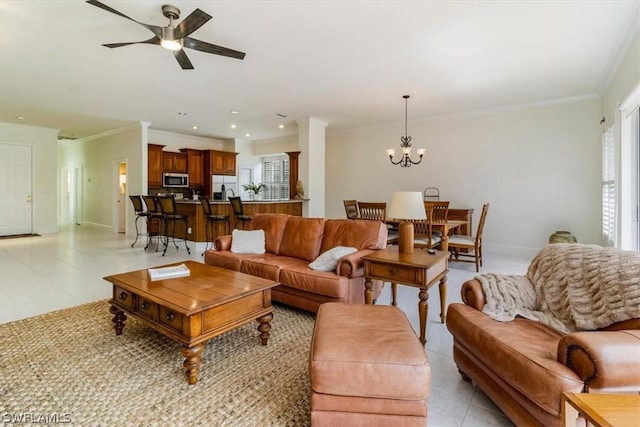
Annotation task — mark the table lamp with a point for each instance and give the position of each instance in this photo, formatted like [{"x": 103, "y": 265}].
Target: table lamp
[{"x": 406, "y": 205}]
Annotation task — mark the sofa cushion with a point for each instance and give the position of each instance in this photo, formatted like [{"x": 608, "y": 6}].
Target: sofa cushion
[
  {"x": 360, "y": 234},
  {"x": 273, "y": 225},
  {"x": 328, "y": 260},
  {"x": 247, "y": 242},
  {"x": 267, "y": 265},
  {"x": 299, "y": 276},
  {"x": 302, "y": 238},
  {"x": 226, "y": 259}
]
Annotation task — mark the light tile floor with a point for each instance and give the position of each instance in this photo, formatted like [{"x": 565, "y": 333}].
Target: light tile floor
[{"x": 52, "y": 272}]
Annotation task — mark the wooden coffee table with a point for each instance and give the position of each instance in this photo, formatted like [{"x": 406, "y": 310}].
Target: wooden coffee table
[{"x": 193, "y": 309}]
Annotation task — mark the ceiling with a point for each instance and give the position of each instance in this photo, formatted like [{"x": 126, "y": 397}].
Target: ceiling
[{"x": 344, "y": 62}]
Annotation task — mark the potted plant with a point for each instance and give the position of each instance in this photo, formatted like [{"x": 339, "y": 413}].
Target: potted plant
[{"x": 253, "y": 189}]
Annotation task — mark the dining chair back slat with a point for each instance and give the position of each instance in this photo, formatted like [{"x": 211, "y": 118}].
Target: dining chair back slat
[
  {"x": 375, "y": 211},
  {"x": 440, "y": 209}
]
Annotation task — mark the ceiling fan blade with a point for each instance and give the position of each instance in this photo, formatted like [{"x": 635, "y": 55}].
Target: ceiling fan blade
[
  {"x": 153, "y": 28},
  {"x": 195, "y": 20},
  {"x": 153, "y": 40},
  {"x": 192, "y": 43},
  {"x": 183, "y": 59}
]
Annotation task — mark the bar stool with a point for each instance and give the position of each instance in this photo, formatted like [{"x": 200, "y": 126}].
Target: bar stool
[
  {"x": 211, "y": 221},
  {"x": 154, "y": 219},
  {"x": 140, "y": 212},
  {"x": 238, "y": 211},
  {"x": 170, "y": 216}
]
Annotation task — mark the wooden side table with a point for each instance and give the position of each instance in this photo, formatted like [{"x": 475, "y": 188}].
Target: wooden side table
[
  {"x": 418, "y": 269},
  {"x": 601, "y": 410}
]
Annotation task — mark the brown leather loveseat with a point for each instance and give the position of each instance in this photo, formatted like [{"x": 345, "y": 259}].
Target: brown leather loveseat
[
  {"x": 525, "y": 365},
  {"x": 291, "y": 243}
]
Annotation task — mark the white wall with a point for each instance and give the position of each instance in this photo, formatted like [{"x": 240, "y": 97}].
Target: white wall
[
  {"x": 97, "y": 156},
  {"x": 176, "y": 141},
  {"x": 539, "y": 168},
  {"x": 44, "y": 143},
  {"x": 625, "y": 77}
]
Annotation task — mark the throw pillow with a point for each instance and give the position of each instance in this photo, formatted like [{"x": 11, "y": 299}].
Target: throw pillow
[
  {"x": 328, "y": 261},
  {"x": 247, "y": 241}
]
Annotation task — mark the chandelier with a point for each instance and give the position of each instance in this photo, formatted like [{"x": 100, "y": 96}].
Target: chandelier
[{"x": 405, "y": 161}]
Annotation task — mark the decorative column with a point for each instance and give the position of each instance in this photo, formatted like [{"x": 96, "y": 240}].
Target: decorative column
[{"x": 293, "y": 172}]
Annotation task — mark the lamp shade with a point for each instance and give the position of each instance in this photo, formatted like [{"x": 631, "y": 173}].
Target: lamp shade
[{"x": 407, "y": 205}]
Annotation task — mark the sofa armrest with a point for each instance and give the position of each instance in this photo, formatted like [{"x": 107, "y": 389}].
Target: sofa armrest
[
  {"x": 222, "y": 243},
  {"x": 472, "y": 294},
  {"x": 603, "y": 359},
  {"x": 352, "y": 265}
]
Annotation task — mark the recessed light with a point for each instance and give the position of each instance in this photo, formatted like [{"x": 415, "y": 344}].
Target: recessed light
[
  {"x": 234, "y": 112},
  {"x": 195, "y": 128},
  {"x": 20, "y": 117},
  {"x": 233, "y": 126},
  {"x": 281, "y": 126},
  {"x": 247, "y": 135}
]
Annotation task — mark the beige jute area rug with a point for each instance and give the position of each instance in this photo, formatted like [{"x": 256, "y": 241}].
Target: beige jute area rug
[{"x": 69, "y": 365}]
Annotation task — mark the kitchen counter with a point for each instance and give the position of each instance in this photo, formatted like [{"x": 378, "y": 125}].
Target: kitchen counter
[{"x": 196, "y": 221}]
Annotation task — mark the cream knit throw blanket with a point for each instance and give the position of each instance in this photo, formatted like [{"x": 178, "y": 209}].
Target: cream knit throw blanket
[{"x": 569, "y": 287}]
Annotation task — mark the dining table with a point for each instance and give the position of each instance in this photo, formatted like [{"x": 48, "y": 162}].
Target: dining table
[{"x": 445, "y": 227}]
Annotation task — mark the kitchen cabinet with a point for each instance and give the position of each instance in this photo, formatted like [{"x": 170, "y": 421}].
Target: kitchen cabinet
[
  {"x": 221, "y": 162},
  {"x": 195, "y": 166},
  {"x": 174, "y": 162},
  {"x": 154, "y": 165}
]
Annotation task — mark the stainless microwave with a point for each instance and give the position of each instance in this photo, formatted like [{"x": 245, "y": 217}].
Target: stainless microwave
[{"x": 180, "y": 180}]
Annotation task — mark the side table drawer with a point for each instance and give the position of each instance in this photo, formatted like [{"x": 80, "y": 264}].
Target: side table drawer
[
  {"x": 146, "y": 308},
  {"x": 394, "y": 273},
  {"x": 123, "y": 297},
  {"x": 170, "y": 318}
]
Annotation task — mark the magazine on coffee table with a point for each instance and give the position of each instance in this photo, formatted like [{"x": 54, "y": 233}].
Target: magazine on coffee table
[{"x": 170, "y": 272}]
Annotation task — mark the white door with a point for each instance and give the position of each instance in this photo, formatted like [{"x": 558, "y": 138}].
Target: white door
[{"x": 15, "y": 186}]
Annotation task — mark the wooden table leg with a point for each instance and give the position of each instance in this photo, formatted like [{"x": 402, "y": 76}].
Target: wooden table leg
[
  {"x": 423, "y": 310},
  {"x": 368, "y": 291},
  {"x": 442, "y": 287},
  {"x": 394, "y": 294},
  {"x": 192, "y": 361},
  {"x": 264, "y": 327},
  {"x": 118, "y": 319},
  {"x": 444, "y": 243}
]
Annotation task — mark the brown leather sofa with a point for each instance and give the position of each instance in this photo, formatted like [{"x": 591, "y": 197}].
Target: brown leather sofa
[
  {"x": 291, "y": 243},
  {"x": 524, "y": 366}
]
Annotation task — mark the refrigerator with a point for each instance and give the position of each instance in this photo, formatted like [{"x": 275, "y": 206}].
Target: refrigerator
[{"x": 224, "y": 186}]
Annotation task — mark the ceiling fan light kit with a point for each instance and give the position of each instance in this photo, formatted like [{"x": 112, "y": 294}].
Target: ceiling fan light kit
[{"x": 175, "y": 38}]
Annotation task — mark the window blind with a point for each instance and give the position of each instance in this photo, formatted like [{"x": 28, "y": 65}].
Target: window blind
[
  {"x": 608, "y": 188},
  {"x": 275, "y": 177}
]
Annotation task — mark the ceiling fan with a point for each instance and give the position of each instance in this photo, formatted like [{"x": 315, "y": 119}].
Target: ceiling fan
[{"x": 175, "y": 38}]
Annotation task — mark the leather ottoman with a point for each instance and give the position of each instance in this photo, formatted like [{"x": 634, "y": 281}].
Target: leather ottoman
[{"x": 367, "y": 368}]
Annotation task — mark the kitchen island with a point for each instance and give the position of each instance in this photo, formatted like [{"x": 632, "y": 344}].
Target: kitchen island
[{"x": 196, "y": 222}]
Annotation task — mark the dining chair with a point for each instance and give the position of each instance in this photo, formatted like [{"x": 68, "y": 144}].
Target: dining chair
[
  {"x": 140, "y": 211},
  {"x": 440, "y": 212},
  {"x": 211, "y": 219},
  {"x": 440, "y": 209},
  {"x": 471, "y": 245},
  {"x": 238, "y": 211},
  {"x": 351, "y": 208},
  {"x": 376, "y": 211},
  {"x": 431, "y": 193},
  {"x": 170, "y": 215},
  {"x": 424, "y": 236}
]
